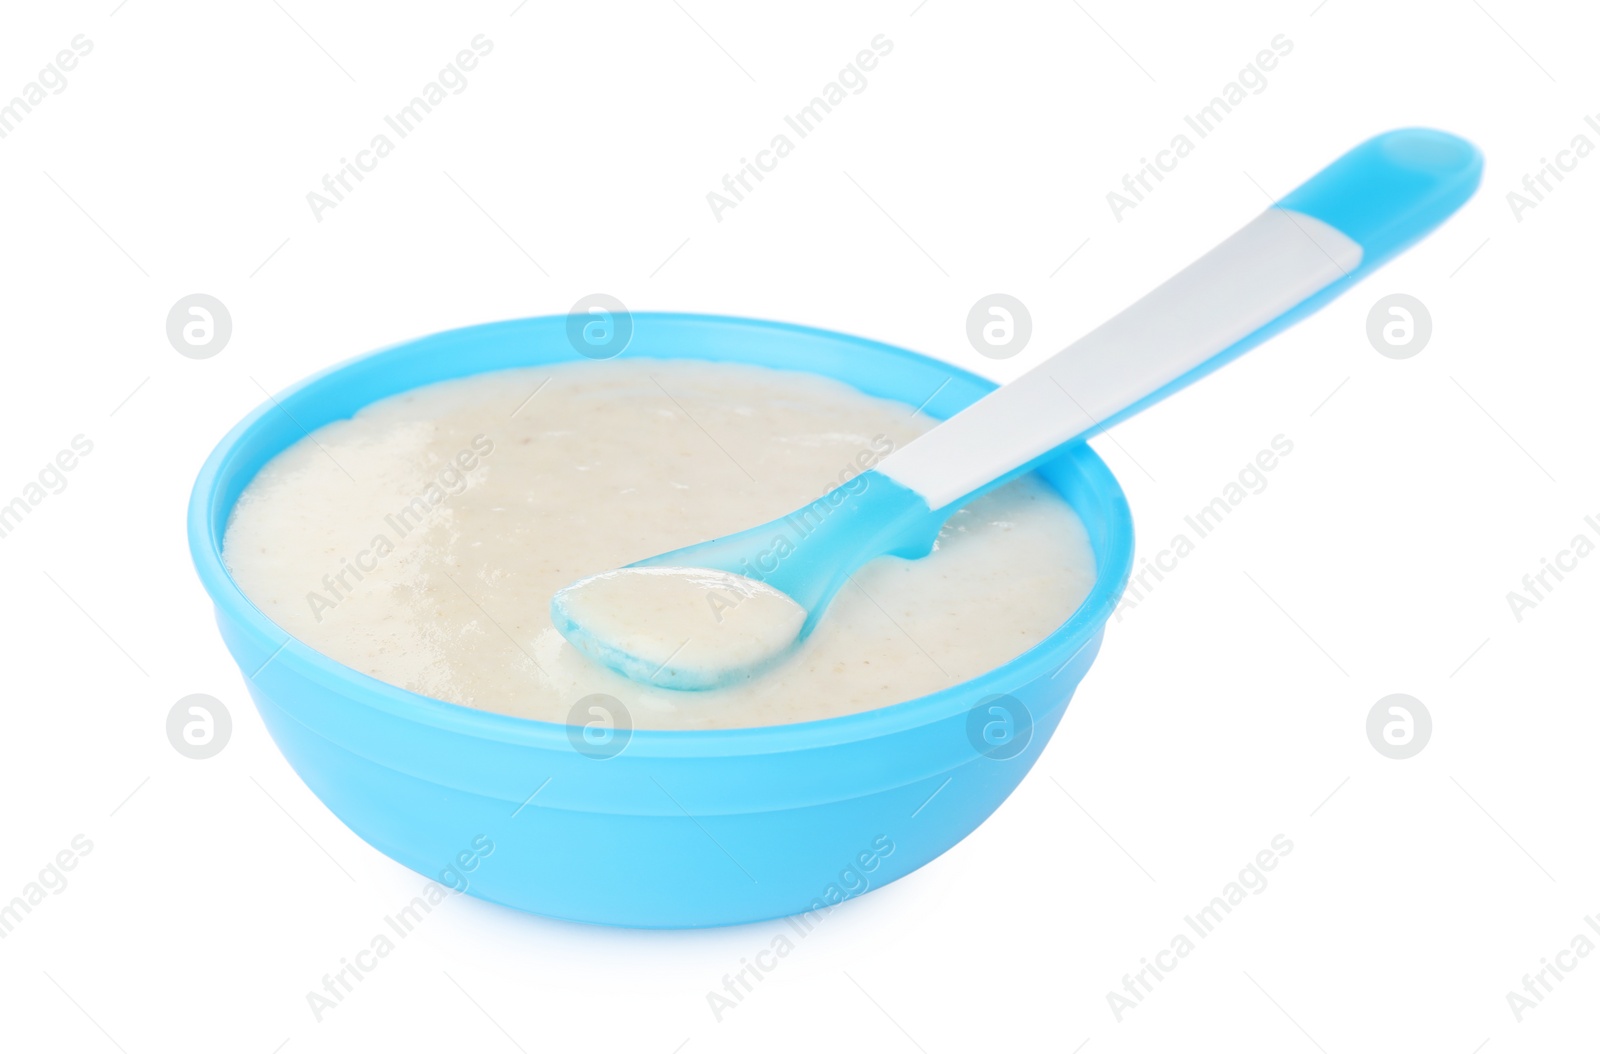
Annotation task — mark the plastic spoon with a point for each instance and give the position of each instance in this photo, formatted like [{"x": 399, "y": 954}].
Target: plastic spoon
[{"x": 721, "y": 610}]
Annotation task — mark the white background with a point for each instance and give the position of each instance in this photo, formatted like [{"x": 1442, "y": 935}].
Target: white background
[{"x": 1227, "y": 708}]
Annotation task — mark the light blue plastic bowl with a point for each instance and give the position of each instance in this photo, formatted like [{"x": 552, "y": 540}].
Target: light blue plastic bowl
[{"x": 681, "y": 828}]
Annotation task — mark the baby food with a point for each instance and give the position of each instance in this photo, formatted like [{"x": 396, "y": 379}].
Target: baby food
[{"x": 421, "y": 540}]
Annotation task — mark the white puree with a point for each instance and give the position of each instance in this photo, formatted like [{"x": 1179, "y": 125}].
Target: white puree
[
  {"x": 421, "y": 541},
  {"x": 685, "y": 627}
]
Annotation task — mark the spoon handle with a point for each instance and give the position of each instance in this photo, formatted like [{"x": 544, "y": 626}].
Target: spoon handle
[{"x": 1323, "y": 236}]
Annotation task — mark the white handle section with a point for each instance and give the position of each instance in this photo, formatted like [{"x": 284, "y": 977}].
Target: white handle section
[{"x": 1271, "y": 265}]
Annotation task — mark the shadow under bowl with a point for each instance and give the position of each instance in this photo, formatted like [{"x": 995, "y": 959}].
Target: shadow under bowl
[{"x": 677, "y": 828}]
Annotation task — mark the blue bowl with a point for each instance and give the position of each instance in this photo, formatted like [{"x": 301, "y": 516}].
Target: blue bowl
[{"x": 678, "y": 828}]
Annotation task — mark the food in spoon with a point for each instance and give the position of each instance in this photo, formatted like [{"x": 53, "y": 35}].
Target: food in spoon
[{"x": 689, "y": 628}]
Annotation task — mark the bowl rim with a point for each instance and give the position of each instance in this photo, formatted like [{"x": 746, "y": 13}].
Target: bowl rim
[{"x": 1055, "y": 651}]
